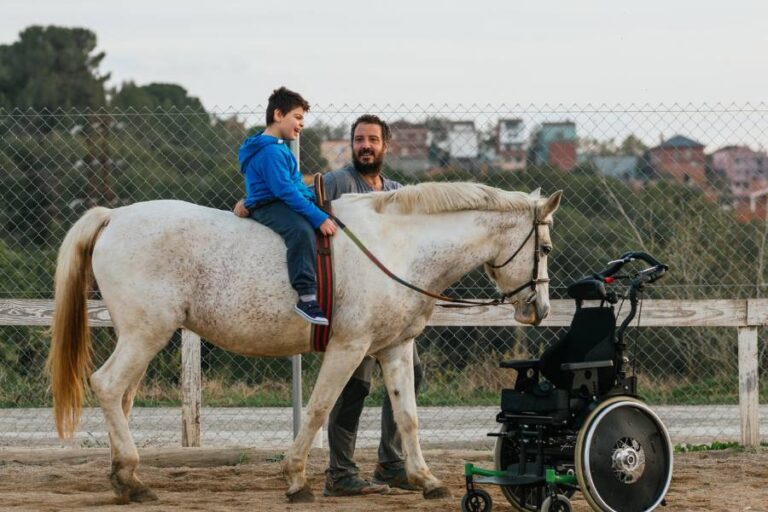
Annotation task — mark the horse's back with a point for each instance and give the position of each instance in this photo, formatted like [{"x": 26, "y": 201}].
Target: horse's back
[{"x": 224, "y": 277}]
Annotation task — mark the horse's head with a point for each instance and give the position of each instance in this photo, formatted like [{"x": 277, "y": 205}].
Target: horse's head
[{"x": 520, "y": 267}]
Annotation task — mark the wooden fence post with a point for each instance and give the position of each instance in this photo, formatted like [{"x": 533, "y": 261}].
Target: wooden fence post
[
  {"x": 191, "y": 389},
  {"x": 749, "y": 405}
]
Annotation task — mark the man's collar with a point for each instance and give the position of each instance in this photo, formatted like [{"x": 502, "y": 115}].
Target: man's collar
[{"x": 351, "y": 167}]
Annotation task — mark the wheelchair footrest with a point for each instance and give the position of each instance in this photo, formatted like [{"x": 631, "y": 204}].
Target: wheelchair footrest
[{"x": 518, "y": 480}]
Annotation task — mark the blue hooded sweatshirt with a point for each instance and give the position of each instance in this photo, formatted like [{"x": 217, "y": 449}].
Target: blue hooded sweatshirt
[{"x": 271, "y": 172}]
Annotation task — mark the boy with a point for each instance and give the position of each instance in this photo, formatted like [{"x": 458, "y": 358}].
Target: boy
[{"x": 276, "y": 196}]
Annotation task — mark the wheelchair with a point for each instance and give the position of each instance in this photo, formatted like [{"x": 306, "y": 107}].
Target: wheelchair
[{"x": 574, "y": 421}]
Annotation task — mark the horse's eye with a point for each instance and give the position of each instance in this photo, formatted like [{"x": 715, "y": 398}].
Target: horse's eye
[{"x": 546, "y": 249}]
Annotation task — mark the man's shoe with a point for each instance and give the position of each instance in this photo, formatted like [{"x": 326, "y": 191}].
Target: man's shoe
[
  {"x": 352, "y": 485},
  {"x": 393, "y": 477},
  {"x": 311, "y": 312}
]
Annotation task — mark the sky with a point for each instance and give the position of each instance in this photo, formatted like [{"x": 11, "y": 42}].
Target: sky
[{"x": 395, "y": 52}]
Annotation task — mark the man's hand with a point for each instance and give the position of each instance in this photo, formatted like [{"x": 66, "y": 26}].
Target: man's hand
[
  {"x": 328, "y": 227},
  {"x": 240, "y": 209}
]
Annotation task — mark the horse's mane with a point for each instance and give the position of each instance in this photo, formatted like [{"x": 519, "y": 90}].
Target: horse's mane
[{"x": 448, "y": 197}]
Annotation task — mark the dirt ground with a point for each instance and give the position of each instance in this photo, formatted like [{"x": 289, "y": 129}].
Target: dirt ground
[{"x": 240, "y": 480}]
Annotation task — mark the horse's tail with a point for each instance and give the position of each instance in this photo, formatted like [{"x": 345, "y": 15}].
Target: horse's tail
[{"x": 69, "y": 360}]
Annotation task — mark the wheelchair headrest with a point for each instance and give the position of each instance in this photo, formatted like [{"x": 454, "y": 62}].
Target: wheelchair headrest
[{"x": 587, "y": 288}]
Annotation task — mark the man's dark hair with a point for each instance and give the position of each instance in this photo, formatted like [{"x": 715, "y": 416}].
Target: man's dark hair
[
  {"x": 284, "y": 100},
  {"x": 372, "y": 119}
]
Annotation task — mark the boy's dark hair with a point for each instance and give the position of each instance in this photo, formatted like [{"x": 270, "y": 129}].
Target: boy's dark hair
[
  {"x": 372, "y": 119},
  {"x": 284, "y": 100}
]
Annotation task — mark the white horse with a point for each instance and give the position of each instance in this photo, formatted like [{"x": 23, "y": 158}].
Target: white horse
[{"x": 162, "y": 265}]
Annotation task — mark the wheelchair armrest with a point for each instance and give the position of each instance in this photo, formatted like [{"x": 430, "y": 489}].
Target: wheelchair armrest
[
  {"x": 588, "y": 365},
  {"x": 521, "y": 364}
]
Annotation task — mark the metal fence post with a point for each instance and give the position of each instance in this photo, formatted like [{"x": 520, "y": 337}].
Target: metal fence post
[
  {"x": 296, "y": 382},
  {"x": 296, "y": 395}
]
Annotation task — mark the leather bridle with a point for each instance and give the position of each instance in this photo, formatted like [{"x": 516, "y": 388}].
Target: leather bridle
[
  {"x": 535, "y": 279},
  {"x": 460, "y": 303}
]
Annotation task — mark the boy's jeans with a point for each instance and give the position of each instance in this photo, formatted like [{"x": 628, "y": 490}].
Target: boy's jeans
[{"x": 299, "y": 238}]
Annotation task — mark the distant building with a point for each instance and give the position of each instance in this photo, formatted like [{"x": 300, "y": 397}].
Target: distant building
[
  {"x": 409, "y": 146},
  {"x": 338, "y": 153},
  {"x": 510, "y": 144},
  {"x": 758, "y": 204},
  {"x": 409, "y": 140},
  {"x": 679, "y": 158},
  {"x": 621, "y": 167},
  {"x": 462, "y": 141},
  {"x": 744, "y": 169},
  {"x": 554, "y": 145}
]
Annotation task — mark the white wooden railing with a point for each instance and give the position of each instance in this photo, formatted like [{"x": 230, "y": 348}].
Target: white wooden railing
[{"x": 746, "y": 315}]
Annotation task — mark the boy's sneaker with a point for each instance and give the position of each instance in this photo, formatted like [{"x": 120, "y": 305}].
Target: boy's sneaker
[
  {"x": 311, "y": 312},
  {"x": 393, "y": 476},
  {"x": 351, "y": 485}
]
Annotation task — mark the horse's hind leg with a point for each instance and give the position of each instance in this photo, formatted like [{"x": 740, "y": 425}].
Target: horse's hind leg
[{"x": 115, "y": 384}]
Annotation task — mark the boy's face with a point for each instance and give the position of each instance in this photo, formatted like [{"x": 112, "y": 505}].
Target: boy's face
[{"x": 289, "y": 125}]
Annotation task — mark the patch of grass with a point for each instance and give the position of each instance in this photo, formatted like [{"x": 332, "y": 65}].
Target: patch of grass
[
  {"x": 714, "y": 446},
  {"x": 720, "y": 390}
]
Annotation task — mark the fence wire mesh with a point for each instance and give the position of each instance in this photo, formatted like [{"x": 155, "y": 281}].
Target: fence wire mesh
[{"x": 687, "y": 183}]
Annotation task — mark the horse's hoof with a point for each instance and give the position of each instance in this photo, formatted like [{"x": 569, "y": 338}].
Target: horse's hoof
[
  {"x": 303, "y": 495},
  {"x": 437, "y": 493},
  {"x": 143, "y": 495}
]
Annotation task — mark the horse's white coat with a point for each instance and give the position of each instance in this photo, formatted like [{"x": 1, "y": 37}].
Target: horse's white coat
[{"x": 161, "y": 265}]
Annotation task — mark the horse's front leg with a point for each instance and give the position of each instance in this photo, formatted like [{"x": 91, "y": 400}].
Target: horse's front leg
[
  {"x": 339, "y": 364},
  {"x": 397, "y": 367}
]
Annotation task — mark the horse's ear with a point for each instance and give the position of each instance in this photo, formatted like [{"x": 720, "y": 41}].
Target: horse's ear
[
  {"x": 551, "y": 204},
  {"x": 536, "y": 194}
]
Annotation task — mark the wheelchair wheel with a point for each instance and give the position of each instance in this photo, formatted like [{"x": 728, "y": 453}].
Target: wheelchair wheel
[
  {"x": 559, "y": 504},
  {"x": 623, "y": 457},
  {"x": 524, "y": 498},
  {"x": 476, "y": 500}
]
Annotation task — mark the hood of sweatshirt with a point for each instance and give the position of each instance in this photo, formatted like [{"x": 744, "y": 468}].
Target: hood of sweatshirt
[{"x": 252, "y": 145}]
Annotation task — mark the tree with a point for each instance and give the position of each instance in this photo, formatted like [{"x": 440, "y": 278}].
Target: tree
[
  {"x": 328, "y": 132},
  {"x": 632, "y": 145},
  {"x": 52, "y": 68},
  {"x": 156, "y": 96},
  {"x": 593, "y": 146},
  {"x": 169, "y": 116},
  {"x": 310, "y": 153}
]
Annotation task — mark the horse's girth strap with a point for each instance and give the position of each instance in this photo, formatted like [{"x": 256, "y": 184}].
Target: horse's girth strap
[{"x": 321, "y": 334}]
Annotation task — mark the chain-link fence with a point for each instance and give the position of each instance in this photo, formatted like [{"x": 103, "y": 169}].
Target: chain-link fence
[{"x": 685, "y": 183}]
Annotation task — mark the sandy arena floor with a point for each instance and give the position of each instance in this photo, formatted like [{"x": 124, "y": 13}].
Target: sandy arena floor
[{"x": 239, "y": 480}]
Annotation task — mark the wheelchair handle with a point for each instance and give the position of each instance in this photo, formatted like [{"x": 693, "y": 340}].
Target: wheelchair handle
[
  {"x": 615, "y": 265},
  {"x": 650, "y": 274}
]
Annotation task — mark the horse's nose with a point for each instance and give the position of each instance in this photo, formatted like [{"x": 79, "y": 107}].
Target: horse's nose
[{"x": 542, "y": 311}]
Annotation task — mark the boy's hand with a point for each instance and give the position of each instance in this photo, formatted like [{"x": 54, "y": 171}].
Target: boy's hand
[
  {"x": 328, "y": 227},
  {"x": 240, "y": 209}
]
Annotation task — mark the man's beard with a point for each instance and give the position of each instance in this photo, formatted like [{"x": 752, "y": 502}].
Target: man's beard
[{"x": 367, "y": 169}]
